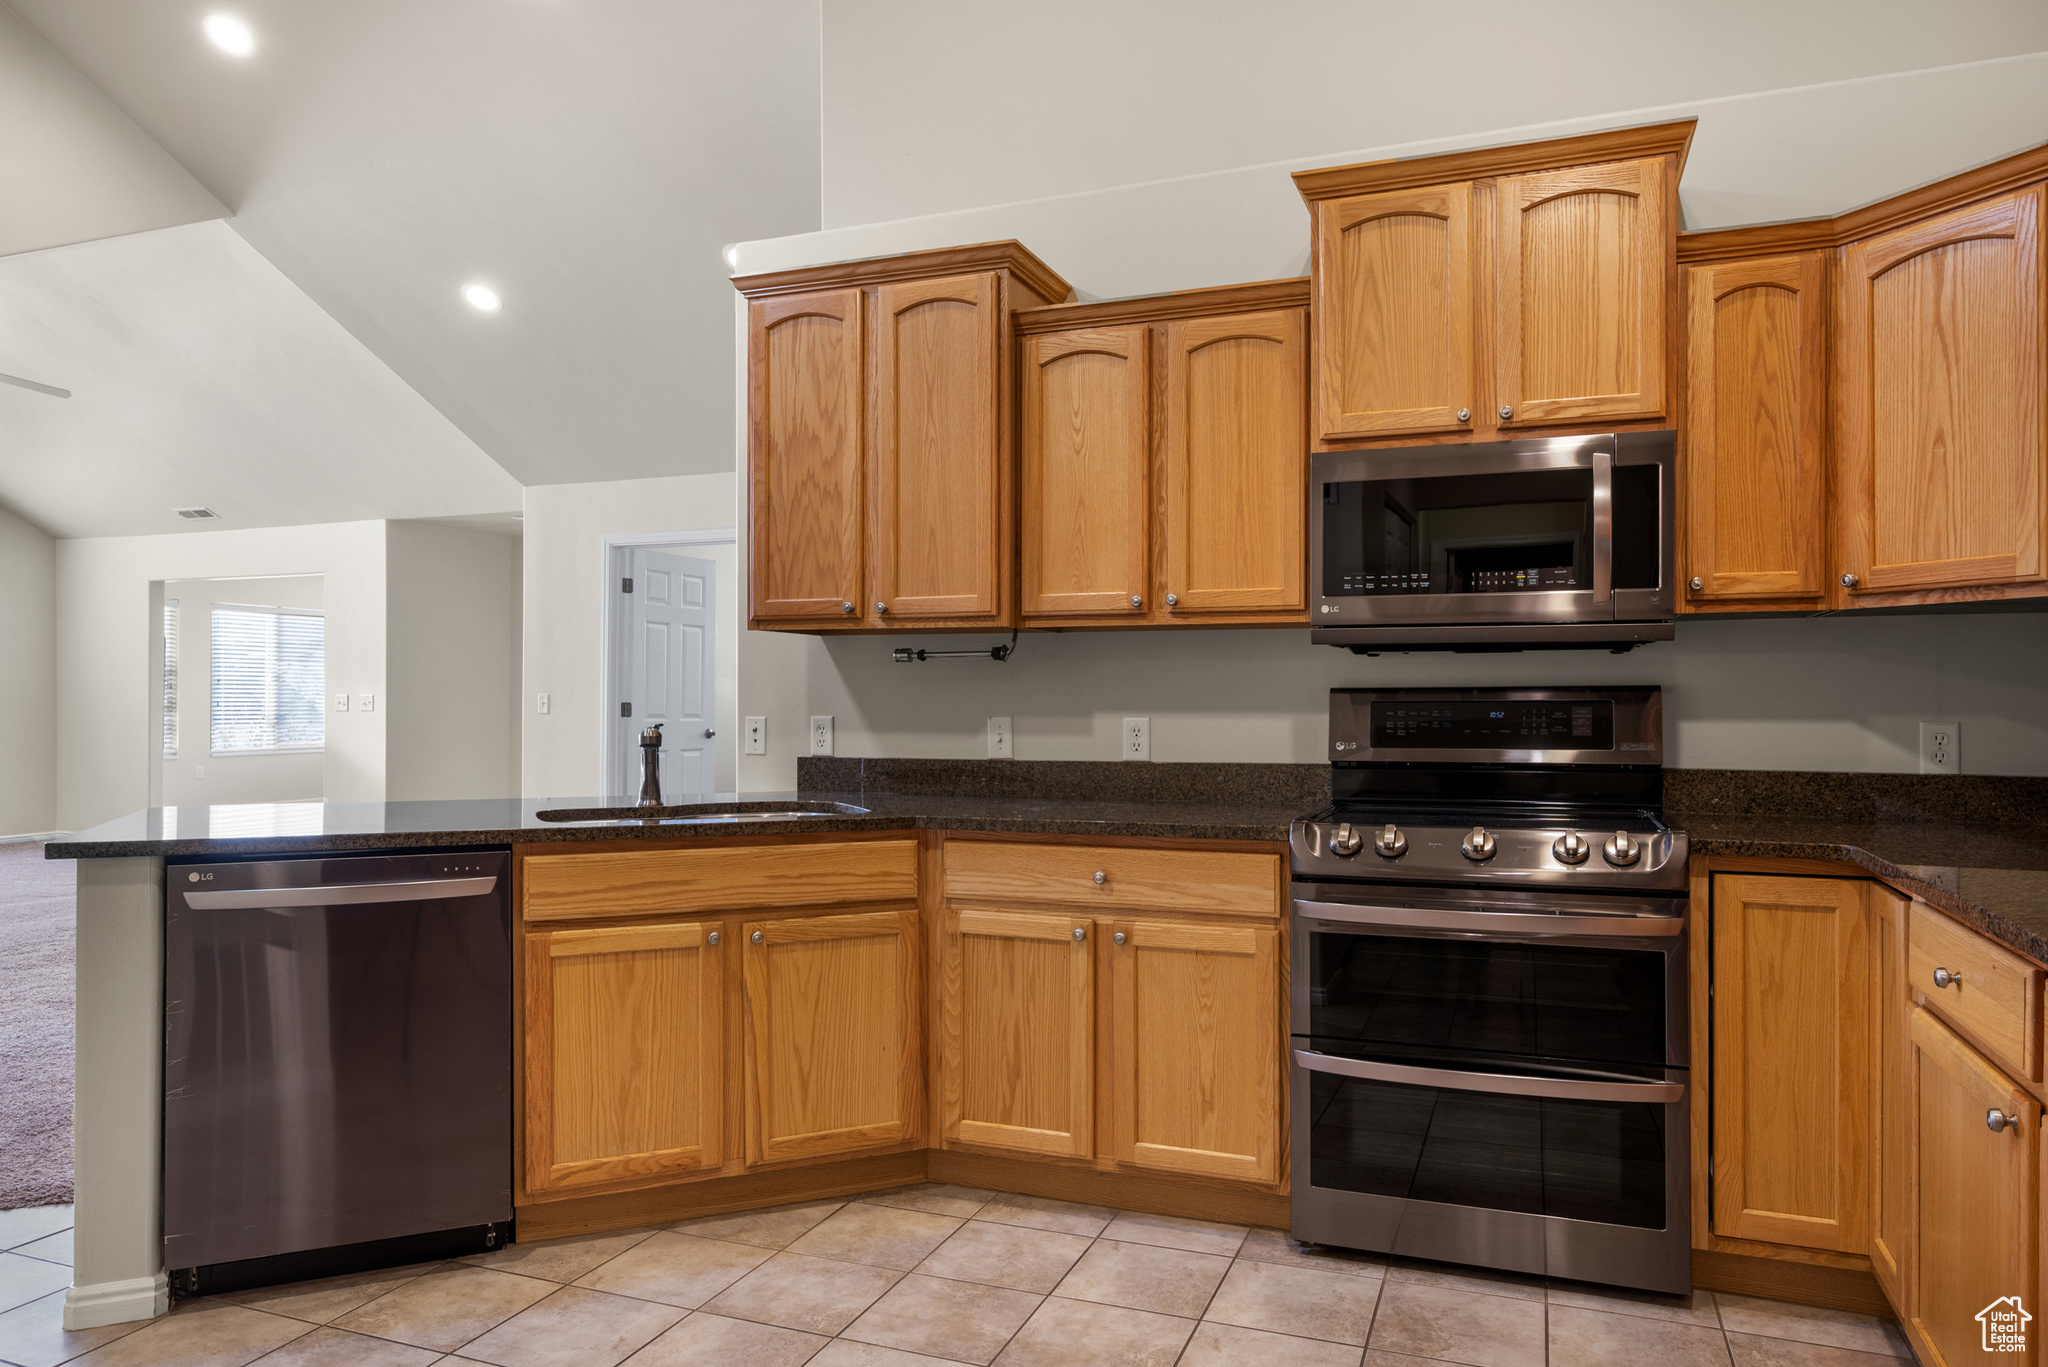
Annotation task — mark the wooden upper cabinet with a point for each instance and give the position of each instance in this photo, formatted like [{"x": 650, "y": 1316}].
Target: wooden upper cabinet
[
  {"x": 1756, "y": 431},
  {"x": 1086, "y": 471},
  {"x": 1791, "y": 1042},
  {"x": 624, "y": 1077},
  {"x": 1017, "y": 1033},
  {"x": 1394, "y": 313},
  {"x": 1580, "y": 293},
  {"x": 1236, "y": 463},
  {"x": 833, "y": 1057},
  {"x": 805, "y": 431},
  {"x": 936, "y": 525},
  {"x": 1973, "y": 1193},
  {"x": 1940, "y": 483}
]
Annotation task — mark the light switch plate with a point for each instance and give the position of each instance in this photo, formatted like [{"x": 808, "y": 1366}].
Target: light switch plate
[
  {"x": 1137, "y": 738},
  {"x": 1000, "y": 743},
  {"x": 821, "y": 735},
  {"x": 1941, "y": 747},
  {"x": 757, "y": 735},
  {"x": 542, "y": 704}
]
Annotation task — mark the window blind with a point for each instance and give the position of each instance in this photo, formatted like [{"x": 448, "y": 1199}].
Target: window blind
[
  {"x": 269, "y": 672},
  {"x": 170, "y": 678}
]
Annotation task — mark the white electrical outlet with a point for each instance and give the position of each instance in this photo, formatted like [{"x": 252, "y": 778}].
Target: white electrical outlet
[
  {"x": 341, "y": 703},
  {"x": 542, "y": 705},
  {"x": 999, "y": 745},
  {"x": 757, "y": 735},
  {"x": 1941, "y": 747},
  {"x": 821, "y": 735},
  {"x": 1137, "y": 742},
  {"x": 366, "y": 702}
]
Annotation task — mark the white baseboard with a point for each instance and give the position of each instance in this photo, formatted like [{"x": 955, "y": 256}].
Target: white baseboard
[{"x": 138, "y": 1298}]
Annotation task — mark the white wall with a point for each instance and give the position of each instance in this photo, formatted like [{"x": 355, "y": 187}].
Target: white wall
[
  {"x": 195, "y": 776},
  {"x": 28, "y": 678},
  {"x": 450, "y": 673},
  {"x": 565, "y": 598},
  {"x": 108, "y": 708},
  {"x": 1094, "y": 96}
]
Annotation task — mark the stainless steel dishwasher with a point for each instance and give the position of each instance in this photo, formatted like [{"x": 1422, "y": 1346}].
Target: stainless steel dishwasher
[{"x": 337, "y": 1064}]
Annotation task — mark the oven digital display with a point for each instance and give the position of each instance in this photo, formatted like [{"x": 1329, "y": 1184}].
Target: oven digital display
[{"x": 1493, "y": 725}]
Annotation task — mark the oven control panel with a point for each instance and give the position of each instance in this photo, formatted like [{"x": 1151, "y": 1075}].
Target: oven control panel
[{"x": 1331, "y": 847}]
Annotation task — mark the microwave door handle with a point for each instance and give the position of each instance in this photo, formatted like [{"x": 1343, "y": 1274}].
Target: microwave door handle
[
  {"x": 341, "y": 894},
  {"x": 1503, "y": 925},
  {"x": 1498, "y": 1084},
  {"x": 1603, "y": 527}
]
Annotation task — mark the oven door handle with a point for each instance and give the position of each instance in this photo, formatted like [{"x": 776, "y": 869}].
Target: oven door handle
[
  {"x": 1497, "y": 923},
  {"x": 1500, "y": 1084}
]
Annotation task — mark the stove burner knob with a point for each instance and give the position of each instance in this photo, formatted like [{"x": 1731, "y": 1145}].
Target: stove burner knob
[
  {"x": 1571, "y": 848},
  {"x": 1346, "y": 841},
  {"x": 1477, "y": 845},
  {"x": 1390, "y": 843},
  {"x": 1622, "y": 849}
]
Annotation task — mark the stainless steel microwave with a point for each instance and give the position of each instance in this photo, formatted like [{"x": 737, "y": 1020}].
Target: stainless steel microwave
[{"x": 1546, "y": 542}]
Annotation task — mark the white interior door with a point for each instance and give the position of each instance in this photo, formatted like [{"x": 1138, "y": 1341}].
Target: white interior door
[{"x": 669, "y": 672}]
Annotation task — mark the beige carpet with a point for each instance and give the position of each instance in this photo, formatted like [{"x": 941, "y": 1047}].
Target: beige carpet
[{"x": 38, "y": 913}]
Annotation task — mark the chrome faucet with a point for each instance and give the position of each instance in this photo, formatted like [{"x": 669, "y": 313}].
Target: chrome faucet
[{"x": 650, "y": 766}]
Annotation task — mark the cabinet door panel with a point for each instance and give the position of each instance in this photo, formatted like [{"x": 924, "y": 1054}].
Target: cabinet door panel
[
  {"x": 624, "y": 1051},
  {"x": 938, "y": 479},
  {"x": 832, "y": 1022},
  {"x": 1791, "y": 1073},
  {"x": 1087, "y": 470},
  {"x": 1973, "y": 1192},
  {"x": 1196, "y": 1086},
  {"x": 804, "y": 378},
  {"x": 1393, "y": 315},
  {"x": 1236, "y": 471},
  {"x": 1891, "y": 1101},
  {"x": 1580, "y": 293},
  {"x": 1757, "y": 428},
  {"x": 1017, "y": 1008}
]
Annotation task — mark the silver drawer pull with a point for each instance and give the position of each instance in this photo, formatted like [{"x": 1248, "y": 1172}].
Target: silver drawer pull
[
  {"x": 755, "y": 937},
  {"x": 1119, "y": 937},
  {"x": 712, "y": 938},
  {"x": 1944, "y": 978},
  {"x": 1080, "y": 932},
  {"x": 1998, "y": 1121}
]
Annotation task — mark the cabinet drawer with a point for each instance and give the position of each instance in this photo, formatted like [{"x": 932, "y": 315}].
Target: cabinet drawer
[
  {"x": 1115, "y": 879},
  {"x": 575, "y": 887},
  {"x": 1997, "y": 997}
]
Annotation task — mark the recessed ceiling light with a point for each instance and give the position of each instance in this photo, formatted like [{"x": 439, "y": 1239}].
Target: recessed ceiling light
[
  {"x": 230, "y": 34},
  {"x": 481, "y": 297}
]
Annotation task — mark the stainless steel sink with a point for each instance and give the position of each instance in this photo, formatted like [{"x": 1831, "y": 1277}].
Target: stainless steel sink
[{"x": 699, "y": 813}]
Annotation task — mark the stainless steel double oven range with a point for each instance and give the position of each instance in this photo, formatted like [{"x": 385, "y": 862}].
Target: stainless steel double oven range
[{"x": 1489, "y": 986}]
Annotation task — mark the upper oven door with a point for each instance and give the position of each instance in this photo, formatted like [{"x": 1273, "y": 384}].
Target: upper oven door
[{"x": 1504, "y": 532}]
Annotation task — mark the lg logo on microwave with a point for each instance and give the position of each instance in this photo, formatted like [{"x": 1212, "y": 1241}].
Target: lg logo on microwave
[{"x": 200, "y": 877}]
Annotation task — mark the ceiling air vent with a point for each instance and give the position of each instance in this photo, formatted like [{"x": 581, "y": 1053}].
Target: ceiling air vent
[{"x": 195, "y": 512}]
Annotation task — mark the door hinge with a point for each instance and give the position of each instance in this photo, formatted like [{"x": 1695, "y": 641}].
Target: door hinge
[
  {"x": 625, "y": 586},
  {"x": 625, "y": 709}
]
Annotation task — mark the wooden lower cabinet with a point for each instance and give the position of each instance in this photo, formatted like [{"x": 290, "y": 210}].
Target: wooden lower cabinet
[
  {"x": 624, "y": 1055},
  {"x": 1017, "y": 1033},
  {"x": 1891, "y": 1183},
  {"x": 1195, "y": 1048},
  {"x": 833, "y": 1054},
  {"x": 1973, "y": 1193}
]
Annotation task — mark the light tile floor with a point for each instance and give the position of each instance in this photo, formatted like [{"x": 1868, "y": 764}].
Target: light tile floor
[{"x": 920, "y": 1277}]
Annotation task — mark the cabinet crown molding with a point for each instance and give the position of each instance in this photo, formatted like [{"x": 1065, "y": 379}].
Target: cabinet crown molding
[
  {"x": 1404, "y": 173},
  {"x": 1010, "y": 255},
  {"x": 1160, "y": 308}
]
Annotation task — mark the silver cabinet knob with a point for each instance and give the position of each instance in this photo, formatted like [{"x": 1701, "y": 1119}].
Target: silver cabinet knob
[
  {"x": 1695, "y": 583},
  {"x": 1464, "y": 415},
  {"x": 1478, "y": 844},
  {"x": 1137, "y": 600},
  {"x": 1080, "y": 932},
  {"x": 1100, "y": 877},
  {"x": 881, "y": 607},
  {"x": 1390, "y": 843},
  {"x": 846, "y": 607},
  {"x": 1622, "y": 849},
  {"x": 1344, "y": 841},
  {"x": 1944, "y": 978},
  {"x": 1998, "y": 1122},
  {"x": 1850, "y": 581},
  {"x": 1173, "y": 600},
  {"x": 1571, "y": 848},
  {"x": 755, "y": 937},
  {"x": 712, "y": 938},
  {"x": 1119, "y": 937},
  {"x": 1506, "y": 412}
]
